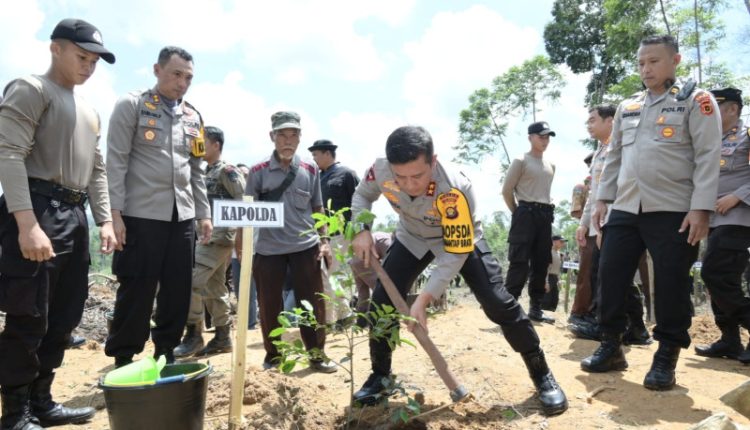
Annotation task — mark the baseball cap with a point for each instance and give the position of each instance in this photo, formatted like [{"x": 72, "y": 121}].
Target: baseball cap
[
  {"x": 558, "y": 237},
  {"x": 283, "y": 119},
  {"x": 83, "y": 34},
  {"x": 727, "y": 94},
  {"x": 541, "y": 128},
  {"x": 322, "y": 144}
]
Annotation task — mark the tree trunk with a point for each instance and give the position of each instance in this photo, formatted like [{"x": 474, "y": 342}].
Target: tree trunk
[
  {"x": 698, "y": 41},
  {"x": 664, "y": 16}
]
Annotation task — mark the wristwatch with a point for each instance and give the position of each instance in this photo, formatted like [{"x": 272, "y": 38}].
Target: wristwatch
[{"x": 361, "y": 226}]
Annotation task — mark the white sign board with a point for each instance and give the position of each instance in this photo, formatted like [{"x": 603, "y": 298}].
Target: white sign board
[
  {"x": 234, "y": 213},
  {"x": 570, "y": 265}
]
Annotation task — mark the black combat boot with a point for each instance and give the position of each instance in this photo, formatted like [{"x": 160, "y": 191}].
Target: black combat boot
[
  {"x": 661, "y": 376},
  {"x": 729, "y": 346},
  {"x": 586, "y": 330},
  {"x": 192, "y": 342},
  {"x": 744, "y": 356},
  {"x": 609, "y": 356},
  {"x": 218, "y": 344},
  {"x": 637, "y": 333},
  {"x": 48, "y": 411},
  {"x": 16, "y": 409},
  {"x": 536, "y": 314},
  {"x": 375, "y": 389},
  {"x": 551, "y": 396}
]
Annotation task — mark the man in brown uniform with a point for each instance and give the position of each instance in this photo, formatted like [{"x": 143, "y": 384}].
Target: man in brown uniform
[{"x": 50, "y": 165}]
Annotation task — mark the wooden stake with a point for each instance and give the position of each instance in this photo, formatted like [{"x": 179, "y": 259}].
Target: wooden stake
[{"x": 240, "y": 336}]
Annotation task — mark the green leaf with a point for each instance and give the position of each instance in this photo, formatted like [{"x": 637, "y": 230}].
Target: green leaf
[
  {"x": 288, "y": 366},
  {"x": 277, "y": 332}
]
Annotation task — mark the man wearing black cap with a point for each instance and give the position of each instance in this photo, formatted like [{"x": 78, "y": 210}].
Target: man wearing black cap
[
  {"x": 526, "y": 190},
  {"x": 50, "y": 165},
  {"x": 337, "y": 184},
  {"x": 726, "y": 254}
]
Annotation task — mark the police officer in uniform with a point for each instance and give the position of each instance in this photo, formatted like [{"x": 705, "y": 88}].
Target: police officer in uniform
[
  {"x": 526, "y": 191},
  {"x": 431, "y": 200},
  {"x": 726, "y": 254},
  {"x": 661, "y": 175},
  {"x": 295, "y": 250},
  {"x": 50, "y": 166},
  {"x": 223, "y": 181},
  {"x": 154, "y": 151}
]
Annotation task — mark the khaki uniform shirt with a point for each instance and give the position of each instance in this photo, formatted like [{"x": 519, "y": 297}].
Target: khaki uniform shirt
[
  {"x": 529, "y": 179},
  {"x": 223, "y": 182},
  {"x": 48, "y": 132},
  {"x": 663, "y": 154},
  {"x": 299, "y": 198},
  {"x": 734, "y": 176},
  {"x": 555, "y": 266},
  {"x": 419, "y": 228},
  {"x": 149, "y": 162},
  {"x": 597, "y": 166}
]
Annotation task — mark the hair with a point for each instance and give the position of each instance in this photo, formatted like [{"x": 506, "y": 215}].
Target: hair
[
  {"x": 216, "y": 135},
  {"x": 242, "y": 165},
  {"x": 332, "y": 151},
  {"x": 168, "y": 51},
  {"x": 661, "y": 39},
  {"x": 604, "y": 110},
  {"x": 407, "y": 144}
]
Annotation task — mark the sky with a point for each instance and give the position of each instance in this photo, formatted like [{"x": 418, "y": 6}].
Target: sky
[{"x": 353, "y": 70}]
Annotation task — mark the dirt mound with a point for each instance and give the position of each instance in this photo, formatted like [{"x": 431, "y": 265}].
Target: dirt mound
[
  {"x": 703, "y": 331},
  {"x": 278, "y": 401}
]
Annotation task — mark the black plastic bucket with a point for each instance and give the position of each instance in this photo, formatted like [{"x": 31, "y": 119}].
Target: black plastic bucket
[{"x": 178, "y": 405}]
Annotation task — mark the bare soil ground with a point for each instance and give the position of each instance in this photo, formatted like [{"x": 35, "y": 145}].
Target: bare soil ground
[{"x": 502, "y": 393}]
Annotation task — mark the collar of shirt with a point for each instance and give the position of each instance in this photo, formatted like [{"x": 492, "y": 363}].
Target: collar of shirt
[{"x": 275, "y": 164}]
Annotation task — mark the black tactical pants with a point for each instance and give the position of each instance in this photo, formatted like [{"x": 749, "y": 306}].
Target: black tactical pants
[
  {"x": 482, "y": 273},
  {"x": 723, "y": 264},
  {"x": 552, "y": 297},
  {"x": 626, "y": 236},
  {"x": 156, "y": 253},
  {"x": 43, "y": 301},
  {"x": 530, "y": 241}
]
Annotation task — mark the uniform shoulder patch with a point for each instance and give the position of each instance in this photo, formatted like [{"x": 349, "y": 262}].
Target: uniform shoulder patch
[
  {"x": 232, "y": 173},
  {"x": 310, "y": 168},
  {"x": 705, "y": 103},
  {"x": 260, "y": 166}
]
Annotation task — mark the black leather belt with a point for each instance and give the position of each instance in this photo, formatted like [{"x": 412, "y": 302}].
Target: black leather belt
[
  {"x": 537, "y": 205},
  {"x": 58, "y": 192}
]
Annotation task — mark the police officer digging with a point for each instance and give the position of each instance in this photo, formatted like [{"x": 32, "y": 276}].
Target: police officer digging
[
  {"x": 223, "y": 181},
  {"x": 660, "y": 175},
  {"x": 526, "y": 191},
  {"x": 436, "y": 224},
  {"x": 726, "y": 254},
  {"x": 154, "y": 151},
  {"x": 50, "y": 166}
]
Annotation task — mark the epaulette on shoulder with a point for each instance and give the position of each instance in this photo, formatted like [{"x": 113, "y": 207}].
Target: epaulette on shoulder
[
  {"x": 260, "y": 166},
  {"x": 307, "y": 167}
]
